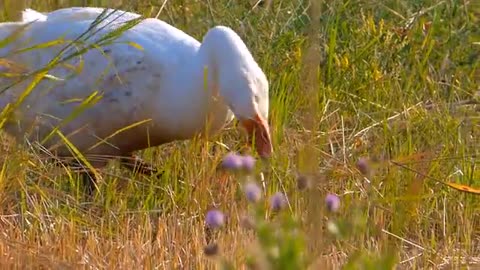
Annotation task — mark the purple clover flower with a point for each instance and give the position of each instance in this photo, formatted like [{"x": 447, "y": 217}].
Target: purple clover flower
[
  {"x": 233, "y": 161},
  {"x": 248, "y": 163},
  {"x": 211, "y": 249},
  {"x": 333, "y": 202},
  {"x": 214, "y": 219},
  {"x": 252, "y": 192},
  {"x": 278, "y": 201}
]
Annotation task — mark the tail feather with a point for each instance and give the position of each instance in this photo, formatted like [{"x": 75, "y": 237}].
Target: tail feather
[{"x": 30, "y": 15}]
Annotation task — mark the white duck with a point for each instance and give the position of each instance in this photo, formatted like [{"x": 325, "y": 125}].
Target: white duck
[{"x": 169, "y": 85}]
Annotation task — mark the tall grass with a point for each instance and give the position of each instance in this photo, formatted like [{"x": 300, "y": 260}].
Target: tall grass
[{"x": 394, "y": 83}]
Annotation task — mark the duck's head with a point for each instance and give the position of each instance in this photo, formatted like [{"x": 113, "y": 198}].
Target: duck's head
[
  {"x": 246, "y": 94},
  {"x": 242, "y": 84}
]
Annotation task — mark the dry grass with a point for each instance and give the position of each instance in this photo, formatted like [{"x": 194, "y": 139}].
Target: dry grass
[{"x": 363, "y": 79}]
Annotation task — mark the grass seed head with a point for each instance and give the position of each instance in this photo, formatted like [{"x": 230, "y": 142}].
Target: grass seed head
[
  {"x": 303, "y": 182},
  {"x": 247, "y": 222},
  {"x": 211, "y": 249},
  {"x": 363, "y": 165}
]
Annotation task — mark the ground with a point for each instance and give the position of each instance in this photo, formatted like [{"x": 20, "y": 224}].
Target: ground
[{"x": 375, "y": 102}]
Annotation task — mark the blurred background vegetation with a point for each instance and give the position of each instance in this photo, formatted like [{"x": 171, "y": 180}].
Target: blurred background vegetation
[{"x": 394, "y": 82}]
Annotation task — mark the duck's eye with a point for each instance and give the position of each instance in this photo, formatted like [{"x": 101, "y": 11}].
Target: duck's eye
[{"x": 256, "y": 98}]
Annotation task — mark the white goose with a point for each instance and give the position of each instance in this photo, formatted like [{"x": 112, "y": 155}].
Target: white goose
[{"x": 162, "y": 85}]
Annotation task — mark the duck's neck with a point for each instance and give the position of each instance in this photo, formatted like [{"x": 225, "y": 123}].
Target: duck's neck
[
  {"x": 204, "y": 109},
  {"x": 218, "y": 62},
  {"x": 212, "y": 109}
]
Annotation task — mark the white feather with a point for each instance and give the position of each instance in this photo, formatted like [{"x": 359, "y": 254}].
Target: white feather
[
  {"x": 30, "y": 15},
  {"x": 152, "y": 71}
]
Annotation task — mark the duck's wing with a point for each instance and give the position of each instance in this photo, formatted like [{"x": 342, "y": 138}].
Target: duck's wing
[
  {"x": 134, "y": 81},
  {"x": 57, "y": 44},
  {"x": 140, "y": 59},
  {"x": 112, "y": 70},
  {"x": 144, "y": 57},
  {"x": 50, "y": 34},
  {"x": 80, "y": 14}
]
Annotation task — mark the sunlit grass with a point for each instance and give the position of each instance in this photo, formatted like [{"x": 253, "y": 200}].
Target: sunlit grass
[{"x": 349, "y": 79}]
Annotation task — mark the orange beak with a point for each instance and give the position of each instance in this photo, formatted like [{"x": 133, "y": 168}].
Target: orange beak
[{"x": 258, "y": 128}]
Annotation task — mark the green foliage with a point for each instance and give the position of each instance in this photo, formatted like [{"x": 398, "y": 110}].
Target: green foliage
[{"x": 391, "y": 81}]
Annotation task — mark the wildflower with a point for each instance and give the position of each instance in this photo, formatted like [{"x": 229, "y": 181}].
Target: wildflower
[
  {"x": 303, "y": 182},
  {"x": 214, "y": 219},
  {"x": 232, "y": 161},
  {"x": 235, "y": 162},
  {"x": 248, "y": 163},
  {"x": 252, "y": 192},
  {"x": 333, "y": 202},
  {"x": 278, "y": 201},
  {"x": 363, "y": 165},
  {"x": 211, "y": 249}
]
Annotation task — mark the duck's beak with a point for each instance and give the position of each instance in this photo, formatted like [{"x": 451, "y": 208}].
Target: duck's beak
[{"x": 258, "y": 130}]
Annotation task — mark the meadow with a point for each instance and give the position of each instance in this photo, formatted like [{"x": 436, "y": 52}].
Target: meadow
[{"x": 375, "y": 103}]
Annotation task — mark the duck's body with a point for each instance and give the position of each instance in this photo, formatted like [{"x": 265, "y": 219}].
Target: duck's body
[{"x": 160, "y": 85}]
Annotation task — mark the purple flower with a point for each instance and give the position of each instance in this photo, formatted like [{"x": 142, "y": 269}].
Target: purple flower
[
  {"x": 333, "y": 202},
  {"x": 232, "y": 161},
  {"x": 214, "y": 219},
  {"x": 248, "y": 163},
  {"x": 252, "y": 192},
  {"x": 278, "y": 201}
]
